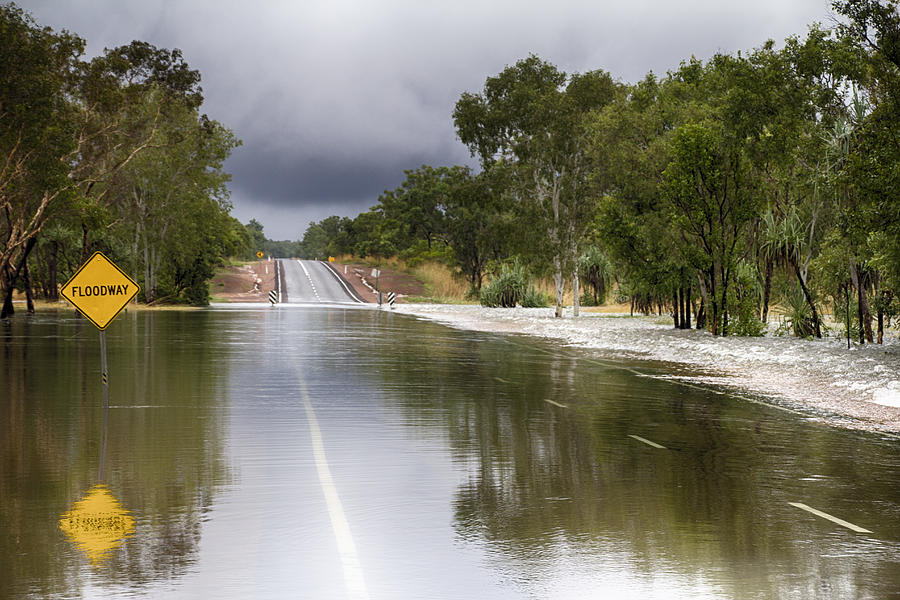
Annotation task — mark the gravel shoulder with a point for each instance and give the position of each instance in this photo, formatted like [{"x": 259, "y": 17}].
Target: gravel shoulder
[
  {"x": 857, "y": 388},
  {"x": 247, "y": 283}
]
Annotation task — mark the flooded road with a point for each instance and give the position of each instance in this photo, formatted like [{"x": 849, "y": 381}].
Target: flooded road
[{"x": 340, "y": 453}]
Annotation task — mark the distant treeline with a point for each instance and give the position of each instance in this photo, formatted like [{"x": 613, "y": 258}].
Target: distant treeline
[
  {"x": 108, "y": 154},
  {"x": 718, "y": 190}
]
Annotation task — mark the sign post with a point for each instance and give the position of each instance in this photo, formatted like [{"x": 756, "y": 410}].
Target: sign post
[{"x": 100, "y": 290}]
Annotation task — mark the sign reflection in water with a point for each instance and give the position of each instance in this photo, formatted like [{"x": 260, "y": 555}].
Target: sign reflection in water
[{"x": 98, "y": 524}]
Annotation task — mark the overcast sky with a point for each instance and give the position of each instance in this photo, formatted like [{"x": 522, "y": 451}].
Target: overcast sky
[{"x": 333, "y": 99}]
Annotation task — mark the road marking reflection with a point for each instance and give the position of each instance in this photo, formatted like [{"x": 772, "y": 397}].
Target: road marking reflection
[
  {"x": 548, "y": 401},
  {"x": 356, "y": 584},
  {"x": 831, "y": 518},
  {"x": 646, "y": 441}
]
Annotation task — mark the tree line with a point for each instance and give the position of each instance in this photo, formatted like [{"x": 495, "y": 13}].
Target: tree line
[
  {"x": 109, "y": 154},
  {"x": 722, "y": 188}
]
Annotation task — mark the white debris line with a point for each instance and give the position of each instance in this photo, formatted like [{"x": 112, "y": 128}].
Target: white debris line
[{"x": 364, "y": 282}]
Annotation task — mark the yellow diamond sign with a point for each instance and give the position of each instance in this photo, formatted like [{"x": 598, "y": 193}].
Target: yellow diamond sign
[{"x": 100, "y": 290}]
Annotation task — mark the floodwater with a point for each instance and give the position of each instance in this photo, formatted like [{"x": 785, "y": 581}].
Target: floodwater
[{"x": 338, "y": 453}]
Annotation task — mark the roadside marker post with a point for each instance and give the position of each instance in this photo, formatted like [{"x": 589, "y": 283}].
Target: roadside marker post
[
  {"x": 273, "y": 297},
  {"x": 391, "y": 297},
  {"x": 100, "y": 290}
]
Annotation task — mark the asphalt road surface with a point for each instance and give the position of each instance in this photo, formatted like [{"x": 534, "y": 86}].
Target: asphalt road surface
[{"x": 311, "y": 281}]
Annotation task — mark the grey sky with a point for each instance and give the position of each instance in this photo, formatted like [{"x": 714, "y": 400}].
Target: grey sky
[{"x": 334, "y": 99}]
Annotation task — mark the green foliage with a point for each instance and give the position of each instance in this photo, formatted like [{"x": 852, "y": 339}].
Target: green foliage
[
  {"x": 110, "y": 154},
  {"x": 760, "y": 178},
  {"x": 511, "y": 287},
  {"x": 420, "y": 253},
  {"x": 534, "y": 298},
  {"x": 596, "y": 272},
  {"x": 798, "y": 316},
  {"x": 531, "y": 117},
  {"x": 744, "y": 302}
]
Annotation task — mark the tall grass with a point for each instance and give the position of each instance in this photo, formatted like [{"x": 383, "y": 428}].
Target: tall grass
[{"x": 442, "y": 283}]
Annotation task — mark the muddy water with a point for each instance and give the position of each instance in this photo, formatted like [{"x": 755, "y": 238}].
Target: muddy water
[{"x": 333, "y": 453}]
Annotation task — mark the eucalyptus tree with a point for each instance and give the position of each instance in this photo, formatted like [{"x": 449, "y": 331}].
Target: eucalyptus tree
[
  {"x": 157, "y": 197},
  {"x": 870, "y": 176},
  {"x": 38, "y": 135},
  {"x": 125, "y": 98},
  {"x": 480, "y": 224},
  {"x": 69, "y": 127},
  {"x": 419, "y": 205},
  {"x": 628, "y": 145},
  {"x": 530, "y": 116}
]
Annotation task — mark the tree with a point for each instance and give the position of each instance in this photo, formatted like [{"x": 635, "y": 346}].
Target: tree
[
  {"x": 530, "y": 117},
  {"x": 37, "y": 135},
  {"x": 72, "y": 127},
  {"x": 257, "y": 238},
  {"x": 154, "y": 197},
  {"x": 419, "y": 205},
  {"x": 870, "y": 176},
  {"x": 479, "y": 223}
]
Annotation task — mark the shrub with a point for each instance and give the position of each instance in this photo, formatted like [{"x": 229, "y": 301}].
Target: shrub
[
  {"x": 534, "y": 299},
  {"x": 507, "y": 289},
  {"x": 798, "y": 318},
  {"x": 743, "y": 303}
]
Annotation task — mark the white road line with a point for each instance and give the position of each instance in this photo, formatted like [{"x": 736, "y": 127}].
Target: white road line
[
  {"x": 646, "y": 441},
  {"x": 547, "y": 400},
  {"x": 350, "y": 292},
  {"x": 831, "y": 518},
  {"x": 311, "y": 284},
  {"x": 353, "y": 574}
]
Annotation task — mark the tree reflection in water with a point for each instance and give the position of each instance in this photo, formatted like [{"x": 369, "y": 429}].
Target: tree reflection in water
[{"x": 150, "y": 477}]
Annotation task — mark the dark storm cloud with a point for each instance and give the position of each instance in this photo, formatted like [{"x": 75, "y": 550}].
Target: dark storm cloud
[
  {"x": 289, "y": 179},
  {"x": 335, "y": 98}
]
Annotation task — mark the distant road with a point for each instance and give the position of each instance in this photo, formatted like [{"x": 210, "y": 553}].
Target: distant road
[{"x": 310, "y": 281}]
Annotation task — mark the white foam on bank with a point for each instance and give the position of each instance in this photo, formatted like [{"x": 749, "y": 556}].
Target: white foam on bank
[
  {"x": 860, "y": 382},
  {"x": 888, "y": 396}
]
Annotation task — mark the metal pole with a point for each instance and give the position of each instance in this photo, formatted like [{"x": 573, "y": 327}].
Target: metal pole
[
  {"x": 104, "y": 435},
  {"x": 104, "y": 382},
  {"x": 104, "y": 377}
]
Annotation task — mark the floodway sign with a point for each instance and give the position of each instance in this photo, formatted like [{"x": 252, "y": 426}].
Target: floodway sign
[{"x": 100, "y": 290}]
